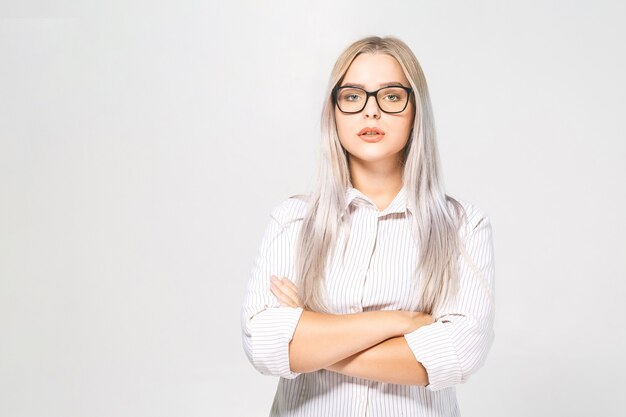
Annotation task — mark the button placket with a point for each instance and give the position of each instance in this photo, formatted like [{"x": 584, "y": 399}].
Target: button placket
[
  {"x": 370, "y": 251},
  {"x": 362, "y": 399}
]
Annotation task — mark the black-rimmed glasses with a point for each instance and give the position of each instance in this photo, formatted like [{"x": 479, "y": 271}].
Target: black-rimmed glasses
[{"x": 393, "y": 99}]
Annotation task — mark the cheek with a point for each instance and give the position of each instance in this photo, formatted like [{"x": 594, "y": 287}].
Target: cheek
[
  {"x": 404, "y": 127},
  {"x": 409, "y": 124},
  {"x": 343, "y": 127},
  {"x": 414, "y": 115}
]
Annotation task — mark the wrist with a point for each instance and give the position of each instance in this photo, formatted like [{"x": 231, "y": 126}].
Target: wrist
[
  {"x": 413, "y": 320},
  {"x": 401, "y": 322}
]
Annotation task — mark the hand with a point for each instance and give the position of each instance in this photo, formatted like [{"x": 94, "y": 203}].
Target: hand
[
  {"x": 285, "y": 291},
  {"x": 416, "y": 319}
]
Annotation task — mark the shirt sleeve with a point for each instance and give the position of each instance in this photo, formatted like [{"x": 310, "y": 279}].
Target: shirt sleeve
[
  {"x": 267, "y": 327},
  {"x": 457, "y": 343}
]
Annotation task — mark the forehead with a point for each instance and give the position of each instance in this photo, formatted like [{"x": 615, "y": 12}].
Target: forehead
[{"x": 374, "y": 70}]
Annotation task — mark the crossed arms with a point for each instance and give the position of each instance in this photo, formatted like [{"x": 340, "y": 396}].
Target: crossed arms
[
  {"x": 399, "y": 347},
  {"x": 367, "y": 345}
]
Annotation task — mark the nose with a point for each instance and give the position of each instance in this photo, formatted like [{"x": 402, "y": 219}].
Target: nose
[{"x": 371, "y": 109}]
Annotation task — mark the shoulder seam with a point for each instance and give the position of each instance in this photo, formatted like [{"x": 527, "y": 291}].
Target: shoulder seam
[{"x": 289, "y": 210}]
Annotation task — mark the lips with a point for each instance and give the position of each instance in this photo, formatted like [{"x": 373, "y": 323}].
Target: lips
[{"x": 371, "y": 132}]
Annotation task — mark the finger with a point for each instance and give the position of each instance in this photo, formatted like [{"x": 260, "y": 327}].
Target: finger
[
  {"x": 290, "y": 284},
  {"x": 288, "y": 288},
  {"x": 283, "y": 299},
  {"x": 291, "y": 290},
  {"x": 280, "y": 301},
  {"x": 288, "y": 293}
]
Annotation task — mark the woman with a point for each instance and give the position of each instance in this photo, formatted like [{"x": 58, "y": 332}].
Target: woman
[{"x": 374, "y": 295}]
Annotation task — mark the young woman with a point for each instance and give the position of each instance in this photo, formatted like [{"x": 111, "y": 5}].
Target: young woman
[{"x": 374, "y": 295}]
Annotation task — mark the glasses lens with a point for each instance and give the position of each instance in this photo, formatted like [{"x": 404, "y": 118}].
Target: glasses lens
[
  {"x": 392, "y": 99},
  {"x": 350, "y": 99}
]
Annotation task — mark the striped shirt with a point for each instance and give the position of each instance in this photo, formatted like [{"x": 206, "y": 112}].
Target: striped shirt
[{"x": 377, "y": 274}]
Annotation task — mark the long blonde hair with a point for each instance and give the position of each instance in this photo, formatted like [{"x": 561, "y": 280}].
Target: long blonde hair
[{"x": 436, "y": 216}]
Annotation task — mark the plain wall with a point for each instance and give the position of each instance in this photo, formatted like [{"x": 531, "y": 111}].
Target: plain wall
[{"x": 143, "y": 145}]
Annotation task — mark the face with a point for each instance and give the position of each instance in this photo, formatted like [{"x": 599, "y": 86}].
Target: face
[{"x": 371, "y": 72}]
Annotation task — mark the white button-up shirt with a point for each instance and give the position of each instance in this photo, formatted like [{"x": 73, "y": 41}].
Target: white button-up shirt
[{"x": 377, "y": 275}]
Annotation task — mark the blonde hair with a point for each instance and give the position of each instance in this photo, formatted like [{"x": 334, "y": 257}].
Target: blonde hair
[{"x": 436, "y": 217}]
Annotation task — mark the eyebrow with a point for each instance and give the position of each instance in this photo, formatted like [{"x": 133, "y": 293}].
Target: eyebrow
[{"x": 389, "y": 84}]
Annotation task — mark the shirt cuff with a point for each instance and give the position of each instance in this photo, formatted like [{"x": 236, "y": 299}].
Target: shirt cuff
[
  {"x": 432, "y": 347},
  {"x": 272, "y": 329}
]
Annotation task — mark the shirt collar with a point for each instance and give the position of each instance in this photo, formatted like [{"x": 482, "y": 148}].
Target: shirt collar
[{"x": 357, "y": 198}]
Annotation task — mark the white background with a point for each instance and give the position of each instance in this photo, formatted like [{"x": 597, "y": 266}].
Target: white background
[{"x": 143, "y": 145}]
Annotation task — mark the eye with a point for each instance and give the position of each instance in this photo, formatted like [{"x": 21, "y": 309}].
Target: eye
[
  {"x": 351, "y": 95},
  {"x": 392, "y": 97}
]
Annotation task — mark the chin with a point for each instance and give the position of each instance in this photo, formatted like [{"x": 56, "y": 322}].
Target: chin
[
  {"x": 375, "y": 152},
  {"x": 372, "y": 157}
]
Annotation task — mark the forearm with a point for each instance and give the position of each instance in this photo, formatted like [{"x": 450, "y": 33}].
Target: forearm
[
  {"x": 390, "y": 361},
  {"x": 323, "y": 339}
]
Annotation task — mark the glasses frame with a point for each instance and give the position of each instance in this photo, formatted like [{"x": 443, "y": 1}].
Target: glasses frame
[{"x": 369, "y": 94}]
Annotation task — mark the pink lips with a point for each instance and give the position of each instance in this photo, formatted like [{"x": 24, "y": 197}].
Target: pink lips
[{"x": 371, "y": 134}]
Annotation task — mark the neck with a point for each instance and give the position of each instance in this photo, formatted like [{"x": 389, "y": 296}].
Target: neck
[{"x": 380, "y": 181}]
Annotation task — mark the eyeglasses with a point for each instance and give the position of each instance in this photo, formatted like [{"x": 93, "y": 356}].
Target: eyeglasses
[{"x": 389, "y": 99}]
